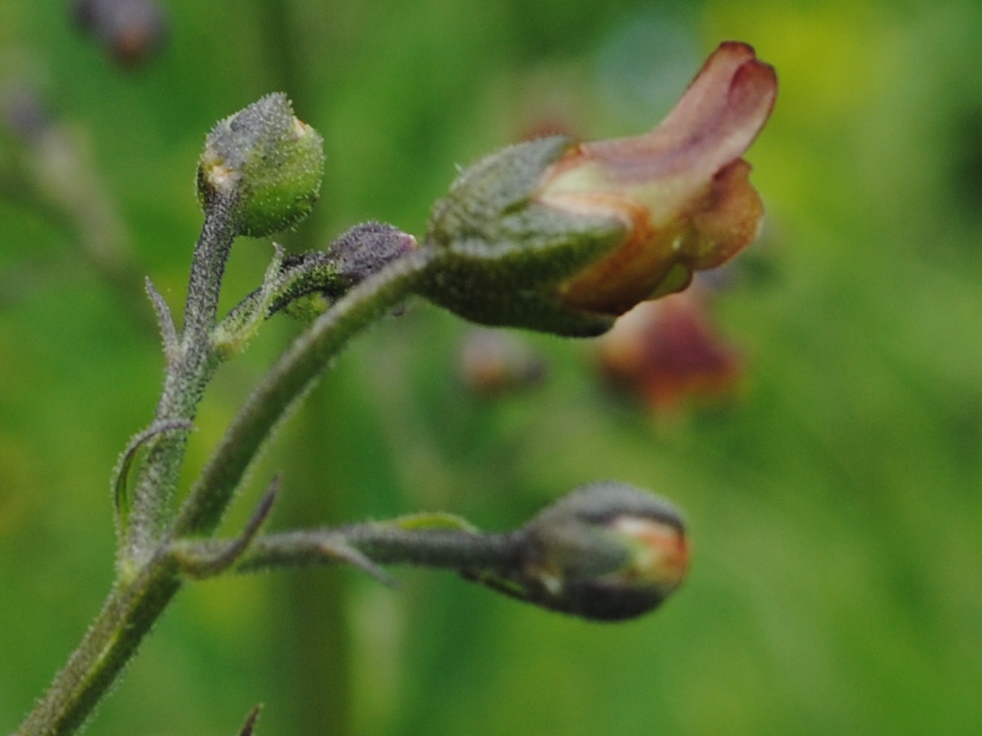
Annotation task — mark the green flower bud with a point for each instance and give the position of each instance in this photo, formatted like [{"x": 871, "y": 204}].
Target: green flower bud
[
  {"x": 606, "y": 551},
  {"x": 564, "y": 237},
  {"x": 503, "y": 252},
  {"x": 266, "y": 160}
]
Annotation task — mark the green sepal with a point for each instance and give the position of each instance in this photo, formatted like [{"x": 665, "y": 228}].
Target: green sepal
[
  {"x": 503, "y": 255},
  {"x": 431, "y": 520}
]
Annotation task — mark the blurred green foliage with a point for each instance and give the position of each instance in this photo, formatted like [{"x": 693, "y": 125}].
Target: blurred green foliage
[{"x": 834, "y": 509}]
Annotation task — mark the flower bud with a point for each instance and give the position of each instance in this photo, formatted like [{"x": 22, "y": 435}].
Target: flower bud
[
  {"x": 503, "y": 252},
  {"x": 606, "y": 551},
  {"x": 365, "y": 249},
  {"x": 311, "y": 282},
  {"x": 564, "y": 237},
  {"x": 266, "y": 159}
]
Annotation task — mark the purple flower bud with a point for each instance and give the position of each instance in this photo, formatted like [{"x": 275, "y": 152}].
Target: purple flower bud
[{"x": 132, "y": 30}]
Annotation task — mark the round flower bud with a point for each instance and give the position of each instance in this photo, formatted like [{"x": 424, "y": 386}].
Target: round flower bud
[
  {"x": 265, "y": 160},
  {"x": 606, "y": 551}
]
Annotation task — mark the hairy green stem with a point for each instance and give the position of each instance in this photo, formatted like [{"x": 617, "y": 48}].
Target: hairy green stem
[
  {"x": 185, "y": 383},
  {"x": 111, "y": 641},
  {"x": 385, "y": 544},
  {"x": 363, "y": 545},
  {"x": 294, "y": 373},
  {"x": 208, "y": 268},
  {"x": 151, "y": 577}
]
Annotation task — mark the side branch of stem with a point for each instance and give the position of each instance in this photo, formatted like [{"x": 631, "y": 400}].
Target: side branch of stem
[{"x": 294, "y": 374}]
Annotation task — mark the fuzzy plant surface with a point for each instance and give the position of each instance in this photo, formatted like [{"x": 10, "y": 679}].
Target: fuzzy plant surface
[{"x": 553, "y": 235}]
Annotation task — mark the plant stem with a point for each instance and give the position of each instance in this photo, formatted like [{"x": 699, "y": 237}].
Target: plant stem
[
  {"x": 294, "y": 373},
  {"x": 184, "y": 384},
  {"x": 384, "y": 544},
  {"x": 366, "y": 545},
  {"x": 151, "y": 578},
  {"x": 208, "y": 268},
  {"x": 111, "y": 641},
  {"x": 316, "y": 661}
]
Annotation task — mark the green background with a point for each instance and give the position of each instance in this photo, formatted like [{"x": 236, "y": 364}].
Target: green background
[{"x": 834, "y": 507}]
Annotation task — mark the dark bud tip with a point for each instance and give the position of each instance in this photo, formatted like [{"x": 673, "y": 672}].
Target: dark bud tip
[
  {"x": 366, "y": 248},
  {"x": 314, "y": 280}
]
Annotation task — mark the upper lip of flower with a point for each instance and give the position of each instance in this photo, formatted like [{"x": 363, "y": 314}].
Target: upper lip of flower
[
  {"x": 681, "y": 189},
  {"x": 714, "y": 122}
]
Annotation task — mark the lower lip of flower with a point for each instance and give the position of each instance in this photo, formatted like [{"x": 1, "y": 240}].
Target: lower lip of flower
[{"x": 646, "y": 265}]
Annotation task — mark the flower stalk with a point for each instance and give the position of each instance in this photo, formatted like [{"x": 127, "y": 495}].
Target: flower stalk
[
  {"x": 605, "y": 551},
  {"x": 144, "y": 590},
  {"x": 292, "y": 375}
]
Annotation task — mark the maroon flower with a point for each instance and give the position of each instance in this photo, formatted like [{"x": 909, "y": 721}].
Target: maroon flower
[
  {"x": 682, "y": 189},
  {"x": 670, "y": 354},
  {"x": 563, "y": 237}
]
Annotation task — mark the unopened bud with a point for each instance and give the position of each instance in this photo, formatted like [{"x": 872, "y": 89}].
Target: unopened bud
[
  {"x": 268, "y": 160},
  {"x": 366, "y": 248},
  {"x": 606, "y": 551},
  {"x": 312, "y": 281}
]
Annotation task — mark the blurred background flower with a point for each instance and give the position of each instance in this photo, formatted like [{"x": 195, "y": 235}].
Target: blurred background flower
[
  {"x": 670, "y": 355},
  {"x": 131, "y": 31}
]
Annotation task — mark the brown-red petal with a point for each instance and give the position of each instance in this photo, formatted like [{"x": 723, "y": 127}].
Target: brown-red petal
[
  {"x": 716, "y": 120},
  {"x": 728, "y": 220}
]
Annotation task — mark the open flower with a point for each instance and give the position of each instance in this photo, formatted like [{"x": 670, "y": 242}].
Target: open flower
[
  {"x": 564, "y": 237},
  {"x": 682, "y": 188}
]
